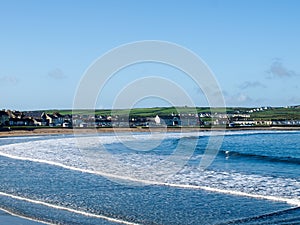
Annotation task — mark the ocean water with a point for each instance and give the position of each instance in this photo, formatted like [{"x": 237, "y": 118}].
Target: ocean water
[{"x": 152, "y": 179}]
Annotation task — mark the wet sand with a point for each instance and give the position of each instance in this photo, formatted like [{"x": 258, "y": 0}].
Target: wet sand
[{"x": 55, "y": 131}]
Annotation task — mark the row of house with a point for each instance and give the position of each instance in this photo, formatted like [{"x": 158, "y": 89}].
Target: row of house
[
  {"x": 36, "y": 118},
  {"x": 17, "y": 118}
]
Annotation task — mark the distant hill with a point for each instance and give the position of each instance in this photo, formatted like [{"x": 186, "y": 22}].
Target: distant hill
[{"x": 265, "y": 113}]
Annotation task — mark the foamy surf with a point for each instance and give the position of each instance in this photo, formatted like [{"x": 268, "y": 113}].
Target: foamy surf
[
  {"x": 62, "y": 152},
  {"x": 24, "y": 217},
  {"x": 128, "y": 179},
  {"x": 295, "y": 202},
  {"x": 111, "y": 219}
]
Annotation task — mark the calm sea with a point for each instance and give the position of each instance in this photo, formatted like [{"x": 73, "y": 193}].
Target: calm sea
[{"x": 142, "y": 179}]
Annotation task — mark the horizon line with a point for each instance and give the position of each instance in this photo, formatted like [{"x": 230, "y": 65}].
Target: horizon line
[{"x": 152, "y": 107}]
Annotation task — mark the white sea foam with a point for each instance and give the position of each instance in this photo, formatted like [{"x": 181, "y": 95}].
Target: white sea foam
[
  {"x": 24, "y": 217},
  {"x": 295, "y": 202},
  {"x": 138, "y": 168},
  {"x": 20, "y": 137},
  {"x": 267, "y": 187},
  {"x": 183, "y": 183},
  {"x": 67, "y": 209}
]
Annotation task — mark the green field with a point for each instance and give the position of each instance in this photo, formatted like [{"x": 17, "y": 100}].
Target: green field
[
  {"x": 143, "y": 112},
  {"x": 277, "y": 113}
]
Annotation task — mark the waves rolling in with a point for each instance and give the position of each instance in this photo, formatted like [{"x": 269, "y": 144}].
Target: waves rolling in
[
  {"x": 64, "y": 153},
  {"x": 270, "y": 218},
  {"x": 65, "y": 209},
  {"x": 236, "y": 154},
  {"x": 171, "y": 183}
]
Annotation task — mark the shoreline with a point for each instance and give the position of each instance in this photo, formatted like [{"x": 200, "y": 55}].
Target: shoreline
[{"x": 56, "y": 131}]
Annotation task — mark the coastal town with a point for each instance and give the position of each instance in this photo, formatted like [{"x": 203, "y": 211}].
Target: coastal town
[{"x": 10, "y": 119}]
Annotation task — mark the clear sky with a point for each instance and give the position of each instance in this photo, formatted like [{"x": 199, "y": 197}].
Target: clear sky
[{"x": 252, "y": 46}]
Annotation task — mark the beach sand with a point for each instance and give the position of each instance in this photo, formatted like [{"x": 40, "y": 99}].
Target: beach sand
[{"x": 55, "y": 131}]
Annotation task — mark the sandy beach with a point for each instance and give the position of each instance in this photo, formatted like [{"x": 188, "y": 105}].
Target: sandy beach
[{"x": 55, "y": 131}]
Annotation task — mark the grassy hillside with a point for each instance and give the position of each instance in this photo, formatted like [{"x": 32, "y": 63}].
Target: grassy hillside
[
  {"x": 279, "y": 113},
  {"x": 143, "y": 112}
]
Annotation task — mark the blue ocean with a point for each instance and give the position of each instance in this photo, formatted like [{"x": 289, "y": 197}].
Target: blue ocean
[{"x": 253, "y": 178}]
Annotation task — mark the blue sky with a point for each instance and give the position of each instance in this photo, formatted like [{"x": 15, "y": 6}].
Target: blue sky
[{"x": 252, "y": 46}]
